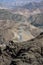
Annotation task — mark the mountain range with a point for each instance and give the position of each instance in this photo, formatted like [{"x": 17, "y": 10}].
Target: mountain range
[
  {"x": 21, "y": 32},
  {"x": 33, "y": 5},
  {"x": 15, "y": 3}
]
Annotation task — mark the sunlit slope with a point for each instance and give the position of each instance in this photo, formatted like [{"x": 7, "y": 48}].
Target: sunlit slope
[{"x": 14, "y": 26}]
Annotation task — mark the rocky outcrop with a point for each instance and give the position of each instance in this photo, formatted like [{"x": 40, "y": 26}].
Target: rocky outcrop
[{"x": 23, "y": 53}]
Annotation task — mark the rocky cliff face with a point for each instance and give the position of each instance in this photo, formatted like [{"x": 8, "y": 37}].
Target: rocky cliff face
[{"x": 24, "y": 53}]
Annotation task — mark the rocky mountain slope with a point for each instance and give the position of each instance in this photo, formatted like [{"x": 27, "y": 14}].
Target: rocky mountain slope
[
  {"x": 37, "y": 20},
  {"x": 21, "y": 37},
  {"x": 23, "y": 53},
  {"x": 15, "y": 26},
  {"x": 21, "y": 32}
]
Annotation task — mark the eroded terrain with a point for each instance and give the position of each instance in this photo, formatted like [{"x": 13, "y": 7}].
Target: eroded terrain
[
  {"x": 21, "y": 42},
  {"x": 24, "y": 53}
]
